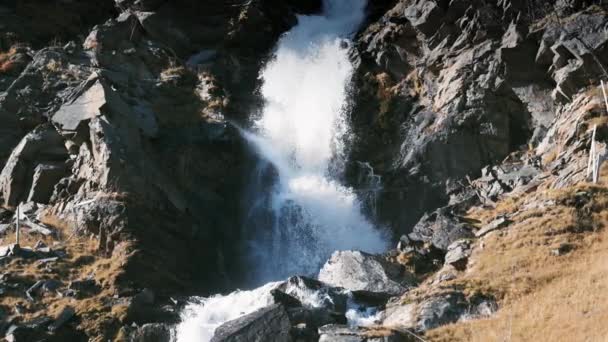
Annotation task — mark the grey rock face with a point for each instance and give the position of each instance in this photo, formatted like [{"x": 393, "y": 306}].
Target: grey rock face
[
  {"x": 440, "y": 311},
  {"x": 46, "y": 176},
  {"x": 267, "y": 324},
  {"x": 458, "y": 254},
  {"x": 342, "y": 333},
  {"x": 153, "y": 332},
  {"x": 449, "y": 108},
  {"x": 358, "y": 271},
  {"x": 496, "y": 224},
  {"x": 87, "y": 106},
  {"x": 440, "y": 228},
  {"x": 43, "y": 144}
]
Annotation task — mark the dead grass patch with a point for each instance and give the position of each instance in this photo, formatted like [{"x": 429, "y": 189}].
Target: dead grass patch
[
  {"x": 6, "y": 64},
  {"x": 97, "y": 315},
  {"x": 542, "y": 296}
]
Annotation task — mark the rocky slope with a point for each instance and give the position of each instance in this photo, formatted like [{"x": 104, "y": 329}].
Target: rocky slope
[{"x": 478, "y": 115}]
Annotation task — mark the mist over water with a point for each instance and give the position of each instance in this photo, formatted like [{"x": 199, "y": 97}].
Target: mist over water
[
  {"x": 304, "y": 214},
  {"x": 302, "y": 133}
]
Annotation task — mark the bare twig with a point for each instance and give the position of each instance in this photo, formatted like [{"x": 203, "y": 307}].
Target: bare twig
[
  {"x": 605, "y": 96},
  {"x": 17, "y": 230}
]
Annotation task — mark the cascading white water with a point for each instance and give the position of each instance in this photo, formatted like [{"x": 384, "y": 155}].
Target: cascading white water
[{"x": 301, "y": 133}]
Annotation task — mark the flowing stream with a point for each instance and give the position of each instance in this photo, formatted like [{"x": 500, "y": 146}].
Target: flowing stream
[{"x": 296, "y": 222}]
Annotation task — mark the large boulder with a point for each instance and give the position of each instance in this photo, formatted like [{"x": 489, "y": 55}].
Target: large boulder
[
  {"x": 436, "y": 310},
  {"x": 267, "y": 324},
  {"x": 365, "y": 273},
  {"x": 440, "y": 229},
  {"x": 342, "y": 333},
  {"x": 42, "y": 145},
  {"x": 435, "y": 101},
  {"x": 152, "y": 332},
  {"x": 46, "y": 176},
  {"x": 458, "y": 254}
]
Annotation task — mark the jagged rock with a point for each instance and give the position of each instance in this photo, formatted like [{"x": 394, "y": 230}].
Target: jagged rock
[
  {"x": 84, "y": 288},
  {"x": 16, "y": 333},
  {"x": 498, "y": 223},
  {"x": 458, "y": 94},
  {"x": 65, "y": 316},
  {"x": 458, "y": 254},
  {"x": 334, "y": 300},
  {"x": 140, "y": 5},
  {"x": 43, "y": 144},
  {"x": 440, "y": 228},
  {"x": 342, "y": 333},
  {"x": 87, "y": 106},
  {"x": 430, "y": 313},
  {"x": 365, "y": 273},
  {"x": 562, "y": 249},
  {"x": 51, "y": 285},
  {"x": 46, "y": 176},
  {"x": 284, "y": 299},
  {"x": 425, "y": 15},
  {"x": 153, "y": 332},
  {"x": 270, "y": 323}
]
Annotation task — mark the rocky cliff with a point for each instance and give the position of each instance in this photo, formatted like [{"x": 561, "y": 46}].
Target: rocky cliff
[{"x": 119, "y": 145}]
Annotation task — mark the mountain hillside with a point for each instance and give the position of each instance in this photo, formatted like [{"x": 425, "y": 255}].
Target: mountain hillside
[{"x": 466, "y": 150}]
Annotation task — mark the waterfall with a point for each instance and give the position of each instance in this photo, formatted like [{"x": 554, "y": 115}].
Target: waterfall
[
  {"x": 302, "y": 133},
  {"x": 295, "y": 223}
]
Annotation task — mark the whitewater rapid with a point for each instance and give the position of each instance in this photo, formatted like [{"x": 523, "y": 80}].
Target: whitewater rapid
[
  {"x": 301, "y": 135},
  {"x": 302, "y": 132}
]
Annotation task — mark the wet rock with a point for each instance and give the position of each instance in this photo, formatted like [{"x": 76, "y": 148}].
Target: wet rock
[
  {"x": 366, "y": 273},
  {"x": 284, "y": 299},
  {"x": 267, "y": 324},
  {"x": 314, "y": 318},
  {"x": 332, "y": 299}
]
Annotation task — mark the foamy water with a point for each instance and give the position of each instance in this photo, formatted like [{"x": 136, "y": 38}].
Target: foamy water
[{"x": 301, "y": 134}]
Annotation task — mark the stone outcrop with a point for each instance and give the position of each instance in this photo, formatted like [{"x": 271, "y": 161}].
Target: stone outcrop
[
  {"x": 365, "y": 273},
  {"x": 25, "y": 174},
  {"x": 117, "y": 131},
  {"x": 447, "y": 88},
  {"x": 270, "y": 323}
]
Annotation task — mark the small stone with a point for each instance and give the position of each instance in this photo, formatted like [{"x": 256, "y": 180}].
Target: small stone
[
  {"x": 498, "y": 223},
  {"x": 31, "y": 292},
  {"x": 51, "y": 285},
  {"x": 67, "y": 314},
  {"x": 458, "y": 254},
  {"x": 564, "y": 248}
]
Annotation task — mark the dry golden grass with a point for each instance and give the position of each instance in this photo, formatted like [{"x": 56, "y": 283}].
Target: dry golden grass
[
  {"x": 6, "y": 65},
  {"x": 83, "y": 260},
  {"x": 542, "y": 296}
]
